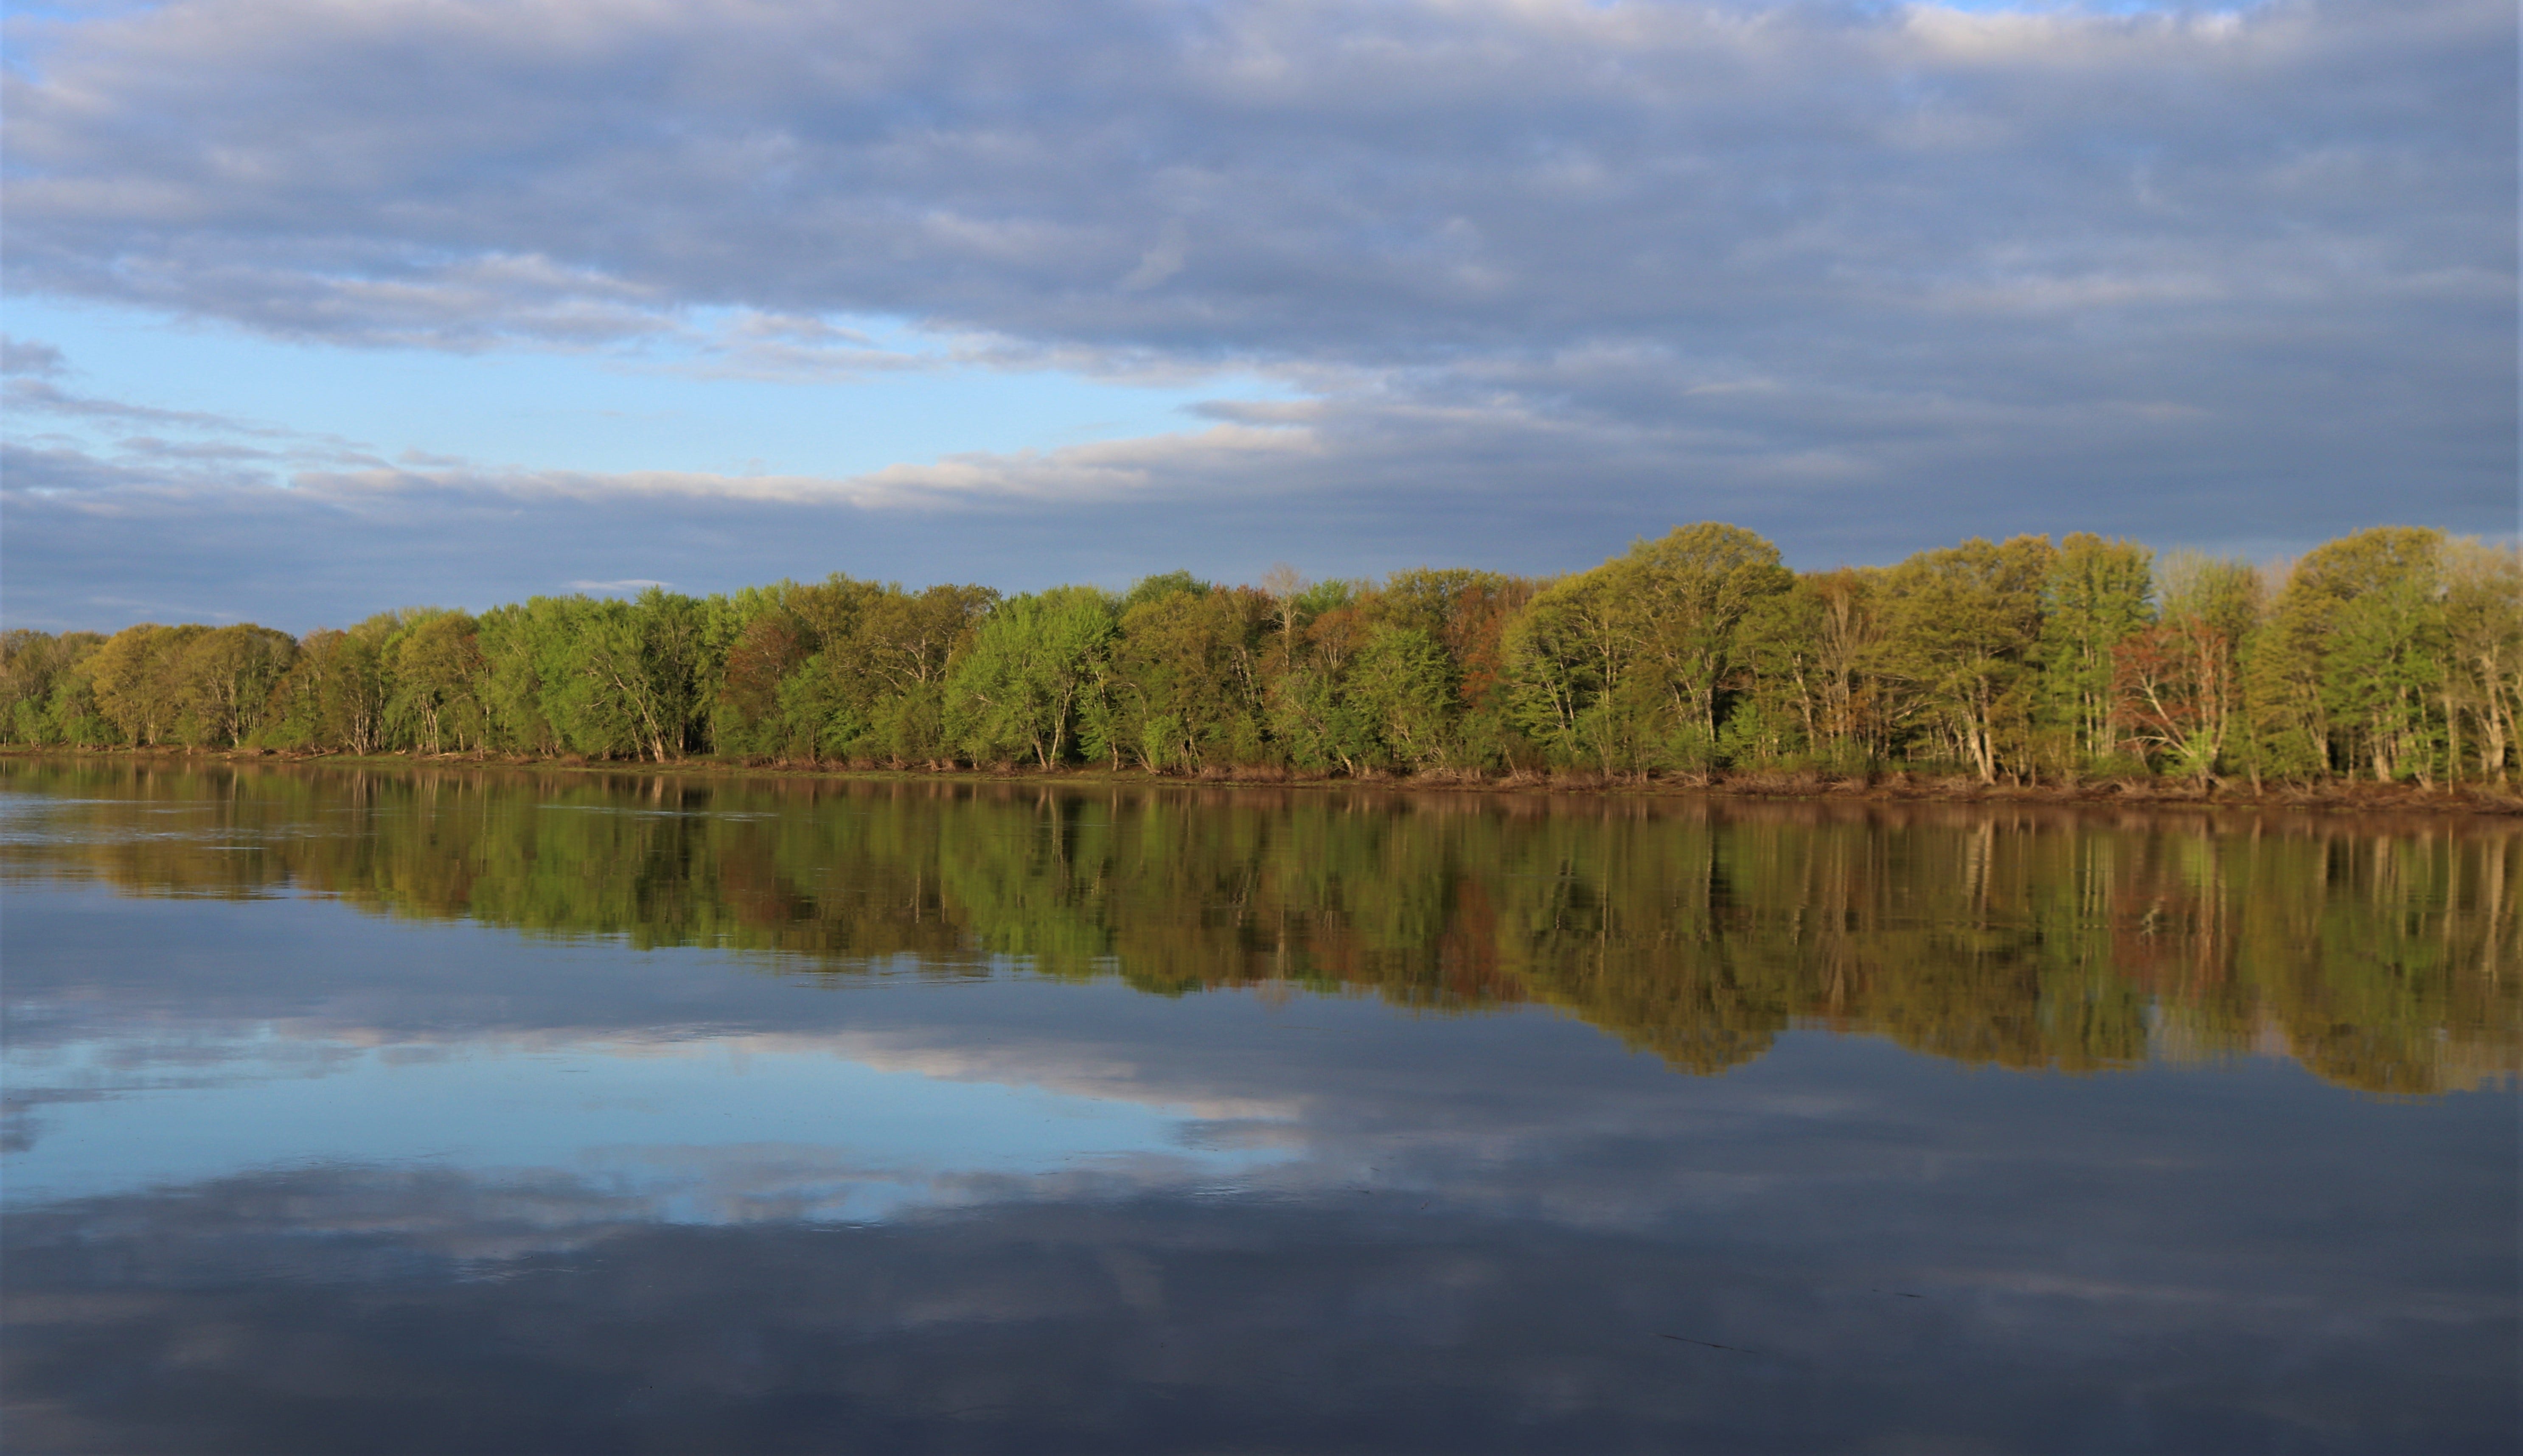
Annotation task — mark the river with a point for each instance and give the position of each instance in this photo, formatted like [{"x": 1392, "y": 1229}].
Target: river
[{"x": 497, "y": 1110}]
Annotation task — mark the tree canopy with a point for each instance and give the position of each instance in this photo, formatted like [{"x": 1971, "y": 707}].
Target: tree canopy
[{"x": 2393, "y": 654}]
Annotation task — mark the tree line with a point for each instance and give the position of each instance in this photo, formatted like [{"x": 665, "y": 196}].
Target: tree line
[
  {"x": 2378, "y": 952},
  {"x": 2393, "y": 654}
]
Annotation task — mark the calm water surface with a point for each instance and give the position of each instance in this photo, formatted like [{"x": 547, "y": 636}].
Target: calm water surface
[{"x": 482, "y": 1112}]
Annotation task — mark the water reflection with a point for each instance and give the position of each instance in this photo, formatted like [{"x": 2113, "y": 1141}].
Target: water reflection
[
  {"x": 455, "y": 1111},
  {"x": 1161, "y": 1322},
  {"x": 2377, "y": 952}
]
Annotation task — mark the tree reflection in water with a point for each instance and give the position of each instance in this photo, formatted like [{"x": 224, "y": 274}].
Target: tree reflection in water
[{"x": 2377, "y": 952}]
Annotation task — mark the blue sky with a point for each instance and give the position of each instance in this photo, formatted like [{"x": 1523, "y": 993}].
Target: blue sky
[
  {"x": 664, "y": 407},
  {"x": 316, "y": 309}
]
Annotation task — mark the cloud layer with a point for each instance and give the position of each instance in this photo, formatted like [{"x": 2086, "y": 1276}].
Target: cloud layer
[{"x": 1867, "y": 277}]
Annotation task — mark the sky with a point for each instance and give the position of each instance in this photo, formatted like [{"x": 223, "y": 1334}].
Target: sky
[{"x": 318, "y": 307}]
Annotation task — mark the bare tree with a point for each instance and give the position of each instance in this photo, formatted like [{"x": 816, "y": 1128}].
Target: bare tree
[{"x": 1285, "y": 585}]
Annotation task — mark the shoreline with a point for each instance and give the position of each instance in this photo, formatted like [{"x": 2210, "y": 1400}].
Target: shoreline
[{"x": 1888, "y": 787}]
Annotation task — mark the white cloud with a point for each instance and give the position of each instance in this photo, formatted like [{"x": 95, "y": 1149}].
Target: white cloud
[{"x": 1159, "y": 263}]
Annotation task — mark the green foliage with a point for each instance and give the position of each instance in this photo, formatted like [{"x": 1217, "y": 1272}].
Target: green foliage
[
  {"x": 589, "y": 658},
  {"x": 47, "y": 690},
  {"x": 752, "y": 716},
  {"x": 341, "y": 690},
  {"x": 1183, "y": 687},
  {"x": 1961, "y": 630},
  {"x": 2392, "y": 654},
  {"x": 2347, "y": 675},
  {"x": 1570, "y": 675},
  {"x": 1685, "y": 599},
  {"x": 1402, "y": 689},
  {"x": 2096, "y": 594},
  {"x": 1812, "y": 697},
  {"x": 1160, "y": 586},
  {"x": 1784, "y": 714},
  {"x": 513, "y": 689},
  {"x": 1036, "y": 663},
  {"x": 138, "y": 683},
  {"x": 1628, "y": 668},
  {"x": 845, "y": 669},
  {"x": 438, "y": 698},
  {"x": 2484, "y": 651},
  {"x": 1316, "y": 725}
]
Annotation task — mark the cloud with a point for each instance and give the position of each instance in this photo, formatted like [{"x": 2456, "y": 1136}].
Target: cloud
[
  {"x": 1868, "y": 278},
  {"x": 293, "y": 532},
  {"x": 28, "y": 357},
  {"x": 1161, "y": 467},
  {"x": 145, "y": 464},
  {"x": 1159, "y": 263},
  {"x": 31, "y": 395},
  {"x": 628, "y": 584},
  {"x": 1367, "y": 184},
  {"x": 138, "y": 513}
]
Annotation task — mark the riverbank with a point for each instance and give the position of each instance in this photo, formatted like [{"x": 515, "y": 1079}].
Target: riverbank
[{"x": 1893, "y": 786}]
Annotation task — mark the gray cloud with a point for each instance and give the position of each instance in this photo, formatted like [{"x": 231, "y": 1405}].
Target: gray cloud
[
  {"x": 29, "y": 358},
  {"x": 296, "y": 532},
  {"x": 1262, "y": 178},
  {"x": 34, "y": 396},
  {"x": 1866, "y": 278}
]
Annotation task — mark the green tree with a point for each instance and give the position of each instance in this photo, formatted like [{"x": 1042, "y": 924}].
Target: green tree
[
  {"x": 226, "y": 677},
  {"x": 765, "y": 650},
  {"x": 1782, "y": 713},
  {"x": 1161, "y": 586},
  {"x": 1017, "y": 688},
  {"x": 2348, "y": 671},
  {"x": 1403, "y": 689},
  {"x": 336, "y": 693},
  {"x": 1627, "y": 666},
  {"x": 2484, "y": 647},
  {"x": 1185, "y": 676},
  {"x": 1685, "y": 597},
  {"x": 824, "y": 699},
  {"x": 839, "y": 668},
  {"x": 912, "y": 638},
  {"x": 2286, "y": 732},
  {"x": 1806, "y": 659},
  {"x": 620, "y": 677},
  {"x": 440, "y": 680},
  {"x": 46, "y": 693},
  {"x": 1466, "y": 613},
  {"x": 139, "y": 681},
  {"x": 512, "y": 685},
  {"x": 1851, "y": 713},
  {"x": 2095, "y": 594},
  {"x": 1961, "y": 627},
  {"x": 1569, "y": 674}
]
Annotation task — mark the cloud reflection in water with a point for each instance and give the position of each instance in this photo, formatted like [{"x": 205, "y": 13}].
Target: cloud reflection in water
[{"x": 294, "y": 1176}]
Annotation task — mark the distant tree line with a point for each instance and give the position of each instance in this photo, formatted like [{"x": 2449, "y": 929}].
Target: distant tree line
[{"x": 2395, "y": 654}]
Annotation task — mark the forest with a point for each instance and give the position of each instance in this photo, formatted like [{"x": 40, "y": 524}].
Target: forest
[{"x": 2391, "y": 655}]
